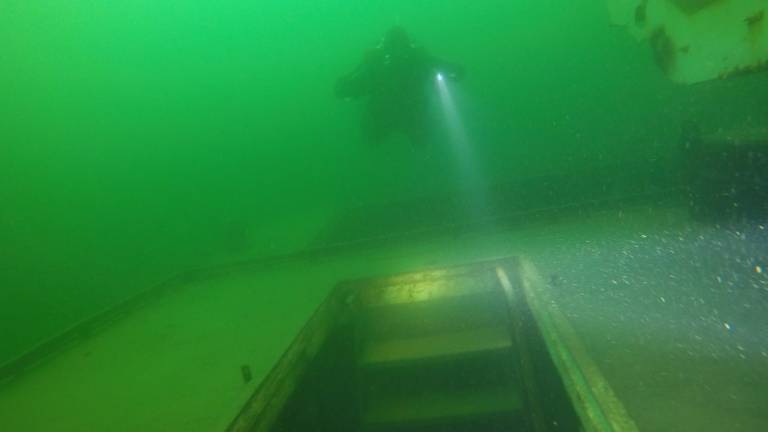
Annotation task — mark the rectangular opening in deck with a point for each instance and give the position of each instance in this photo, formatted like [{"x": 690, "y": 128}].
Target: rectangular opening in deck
[{"x": 450, "y": 349}]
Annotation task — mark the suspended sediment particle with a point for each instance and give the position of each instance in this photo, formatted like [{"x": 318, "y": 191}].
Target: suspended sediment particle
[
  {"x": 755, "y": 19},
  {"x": 641, "y": 13},
  {"x": 664, "y": 51},
  {"x": 691, "y": 7},
  {"x": 245, "y": 372}
]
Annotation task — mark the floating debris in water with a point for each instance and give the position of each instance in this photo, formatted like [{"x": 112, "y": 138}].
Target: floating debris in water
[{"x": 245, "y": 371}]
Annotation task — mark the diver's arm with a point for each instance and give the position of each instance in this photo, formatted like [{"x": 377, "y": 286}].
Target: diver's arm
[
  {"x": 349, "y": 86},
  {"x": 450, "y": 70},
  {"x": 355, "y": 84}
]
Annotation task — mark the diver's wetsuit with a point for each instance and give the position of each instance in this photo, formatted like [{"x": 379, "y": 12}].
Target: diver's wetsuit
[{"x": 395, "y": 78}]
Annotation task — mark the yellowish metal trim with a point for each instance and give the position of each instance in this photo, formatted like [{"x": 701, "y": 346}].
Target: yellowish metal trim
[
  {"x": 528, "y": 374},
  {"x": 261, "y": 411},
  {"x": 591, "y": 394}
]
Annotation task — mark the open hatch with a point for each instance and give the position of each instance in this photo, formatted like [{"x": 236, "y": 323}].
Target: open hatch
[{"x": 463, "y": 348}]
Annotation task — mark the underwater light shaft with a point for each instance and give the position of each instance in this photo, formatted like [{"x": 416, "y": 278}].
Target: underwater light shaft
[
  {"x": 466, "y": 162},
  {"x": 455, "y": 126}
]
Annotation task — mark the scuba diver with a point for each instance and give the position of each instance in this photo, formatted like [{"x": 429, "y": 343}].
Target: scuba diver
[{"x": 395, "y": 78}]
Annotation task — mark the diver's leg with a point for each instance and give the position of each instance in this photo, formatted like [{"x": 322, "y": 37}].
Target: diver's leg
[
  {"x": 375, "y": 129},
  {"x": 417, "y": 128}
]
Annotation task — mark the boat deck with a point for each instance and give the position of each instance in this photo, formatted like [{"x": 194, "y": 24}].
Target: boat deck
[{"x": 675, "y": 329}]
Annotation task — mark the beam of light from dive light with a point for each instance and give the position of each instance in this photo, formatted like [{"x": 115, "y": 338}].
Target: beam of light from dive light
[
  {"x": 454, "y": 123},
  {"x": 462, "y": 148},
  {"x": 463, "y": 151}
]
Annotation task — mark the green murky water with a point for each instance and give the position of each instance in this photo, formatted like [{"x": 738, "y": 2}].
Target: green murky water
[{"x": 143, "y": 138}]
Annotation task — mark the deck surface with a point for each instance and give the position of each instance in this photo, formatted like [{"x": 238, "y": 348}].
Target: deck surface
[{"x": 668, "y": 309}]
